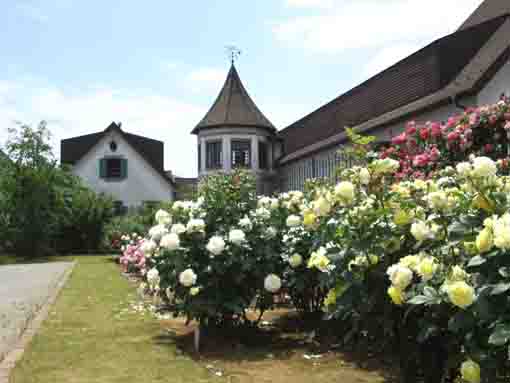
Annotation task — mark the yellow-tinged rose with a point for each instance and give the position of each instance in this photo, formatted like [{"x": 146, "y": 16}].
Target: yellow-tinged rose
[
  {"x": 410, "y": 261},
  {"x": 396, "y": 295},
  {"x": 402, "y": 217},
  {"x": 427, "y": 268},
  {"x": 484, "y": 241},
  {"x": 457, "y": 274},
  {"x": 330, "y": 298},
  {"x": 321, "y": 207},
  {"x": 374, "y": 259},
  {"x": 461, "y": 294},
  {"x": 480, "y": 202},
  {"x": 470, "y": 371},
  {"x": 309, "y": 219},
  {"x": 194, "y": 291}
]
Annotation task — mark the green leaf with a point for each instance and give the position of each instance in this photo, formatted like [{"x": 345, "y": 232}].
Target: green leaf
[
  {"x": 461, "y": 321},
  {"x": 419, "y": 300},
  {"x": 426, "y": 332},
  {"x": 504, "y": 272},
  {"x": 476, "y": 261},
  {"x": 500, "y": 288},
  {"x": 500, "y": 335}
]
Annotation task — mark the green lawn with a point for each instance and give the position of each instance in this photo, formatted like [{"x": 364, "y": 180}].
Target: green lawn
[{"x": 91, "y": 335}]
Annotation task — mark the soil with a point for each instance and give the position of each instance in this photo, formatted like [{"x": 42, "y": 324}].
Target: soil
[{"x": 280, "y": 350}]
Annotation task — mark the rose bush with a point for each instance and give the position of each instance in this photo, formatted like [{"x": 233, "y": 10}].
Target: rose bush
[{"x": 419, "y": 264}]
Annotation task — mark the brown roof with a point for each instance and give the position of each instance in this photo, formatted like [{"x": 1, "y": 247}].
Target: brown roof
[
  {"x": 489, "y": 9},
  {"x": 234, "y": 107},
  {"x": 73, "y": 149},
  {"x": 414, "y": 79}
]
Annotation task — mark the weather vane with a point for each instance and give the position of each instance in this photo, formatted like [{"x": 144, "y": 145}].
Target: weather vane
[{"x": 233, "y": 52}]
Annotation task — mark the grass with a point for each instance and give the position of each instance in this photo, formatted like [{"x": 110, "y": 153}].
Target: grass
[{"x": 92, "y": 335}]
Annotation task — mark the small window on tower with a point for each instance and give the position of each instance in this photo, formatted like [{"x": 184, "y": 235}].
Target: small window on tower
[{"x": 241, "y": 153}]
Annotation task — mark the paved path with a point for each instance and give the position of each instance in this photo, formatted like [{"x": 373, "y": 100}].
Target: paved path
[{"x": 24, "y": 289}]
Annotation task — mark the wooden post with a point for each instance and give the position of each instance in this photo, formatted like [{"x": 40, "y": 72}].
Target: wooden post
[{"x": 197, "y": 338}]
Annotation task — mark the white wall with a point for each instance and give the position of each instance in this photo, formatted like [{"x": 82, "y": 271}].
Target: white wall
[
  {"x": 143, "y": 183},
  {"x": 500, "y": 83}
]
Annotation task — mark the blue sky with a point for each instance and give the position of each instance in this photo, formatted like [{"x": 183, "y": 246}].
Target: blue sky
[{"x": 157, "y": 65}]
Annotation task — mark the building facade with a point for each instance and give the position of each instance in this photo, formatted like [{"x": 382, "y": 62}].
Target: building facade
[
  {"x": 469, "y": 67},
  {"x": 125, "y": 166}
]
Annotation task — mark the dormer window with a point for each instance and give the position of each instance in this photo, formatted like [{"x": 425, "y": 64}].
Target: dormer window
[{"x": 113, "y": 168}]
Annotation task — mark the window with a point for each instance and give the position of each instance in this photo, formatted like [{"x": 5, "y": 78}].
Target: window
[
  {"x": 241, "y": 153},
  {"x": 213, "y": 155},
  {"x": 199, "y": 157},
  {"x": 263, "y": 163},
  {"x": 113, "y": 168},
  {"x": 113, "y": 146}
]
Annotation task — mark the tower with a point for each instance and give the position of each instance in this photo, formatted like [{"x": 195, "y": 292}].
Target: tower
[{"x": 235, "y": 134}]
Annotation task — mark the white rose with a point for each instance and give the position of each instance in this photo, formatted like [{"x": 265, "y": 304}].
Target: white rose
[
  {"x": 295, "y": 260},
  {"x": 163, "y": 217},
  {"x": 345, "y": 190},
  {"x": 501, "y": 230},
  {"x": 178, "y": 228},
  {"x": 170, "y": 241},
  {"x": 271, "y": 232},
  {"x": 156, "y": 232},
  {"x": 293, "y": 221},
  {"x": 245, "y": 223},
  {"x": 148, "y": 247},
  {"x": 364, "y": 176},
  {"x": 464, "y": 168},
  {"x": 387, "y": 165},
  {"x": 263, "y": 213},
  {"x": 272, "y": 283},
  {"x": 195, "y": 225},
  {"x": 216, "y": 245},
  {"x": 187, "y": 278},
  {"x": 153, "y": 277},
  {"x": 421, "y": 231},
  {"x": 400, "y": 276},
  {"x": 484, "y": 167},
  {"x": 236, "y": 236}
]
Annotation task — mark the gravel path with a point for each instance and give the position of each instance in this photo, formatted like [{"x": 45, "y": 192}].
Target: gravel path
[{"x": 24, "y": 289}]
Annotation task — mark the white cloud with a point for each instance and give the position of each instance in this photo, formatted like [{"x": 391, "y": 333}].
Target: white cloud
[
  {"x": 388, "y": 56},
  {"x": 354, "y": 24},
  {"x": 310, "y": 3},
  {"x": 75, "y": 113},
  {"x": 205, "y": 80}
]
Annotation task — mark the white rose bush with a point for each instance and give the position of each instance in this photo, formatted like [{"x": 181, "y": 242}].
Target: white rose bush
[{"x": 212, "y": 258}]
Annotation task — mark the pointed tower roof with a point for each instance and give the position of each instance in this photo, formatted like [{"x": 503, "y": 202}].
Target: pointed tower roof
[{"x": 234, "y": 107}]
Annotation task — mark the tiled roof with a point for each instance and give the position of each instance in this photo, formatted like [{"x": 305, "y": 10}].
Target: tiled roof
[
  {"x": 414, "y": 78},
  {"x": 234, "y": 107}
]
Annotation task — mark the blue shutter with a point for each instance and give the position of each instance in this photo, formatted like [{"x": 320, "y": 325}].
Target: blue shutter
[
  {"x": 123, "y": 168},
  {"x": 102, "y": 168}
]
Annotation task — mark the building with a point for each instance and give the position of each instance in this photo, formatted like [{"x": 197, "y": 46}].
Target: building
[
  {"x": 123, "y": 165},
  {"x": 466, "y": 68},
  {"x": 234, "y": 133}
]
